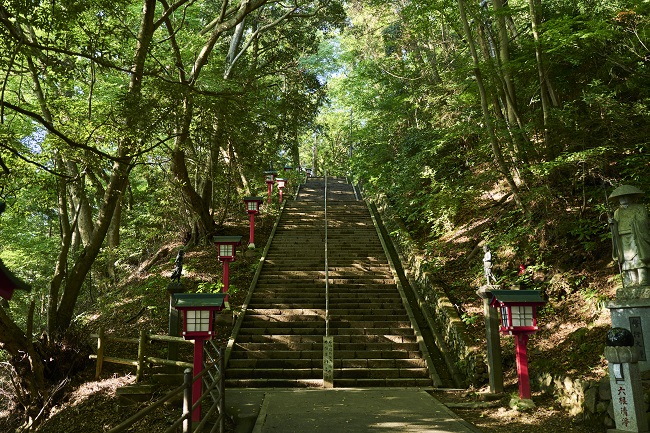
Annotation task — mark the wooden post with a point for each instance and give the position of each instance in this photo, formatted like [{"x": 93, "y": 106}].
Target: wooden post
[
  {"x": 100, "y": 352},
  {"x": 174, "y": 320},
  {"x": 493, "y": 339},
  {"x": 222, "y": 391},
  {"x": 187, "y": 400},
  {"x": 141, "y": 343}
]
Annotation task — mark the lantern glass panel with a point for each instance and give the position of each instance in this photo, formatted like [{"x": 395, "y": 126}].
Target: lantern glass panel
[
  {"x": 225, "y": 250},
  {"x": 252, "y": 205},
  {"x": 198, "y": 320},
  {"x": 522, "y": 315},
  {"x": 504, "y": 317},
  {"x": 269, "y": 178}
]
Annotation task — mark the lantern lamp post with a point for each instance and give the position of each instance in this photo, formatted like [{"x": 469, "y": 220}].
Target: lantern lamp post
[
  {"x": 518, "y": 309},
  {"x": 198, "y": 324},
  {"x": 226, "y": 250},
  {"x": 269, "y": 178},
  {"x": 281, "y": 184},
  {"x": 253, "y": 208}
]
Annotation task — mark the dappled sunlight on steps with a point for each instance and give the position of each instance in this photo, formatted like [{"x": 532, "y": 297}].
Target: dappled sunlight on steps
[{"x": 280, "y": 342}]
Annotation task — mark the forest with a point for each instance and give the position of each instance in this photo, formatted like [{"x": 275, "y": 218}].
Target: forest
[{"x": 125, "y": 125}]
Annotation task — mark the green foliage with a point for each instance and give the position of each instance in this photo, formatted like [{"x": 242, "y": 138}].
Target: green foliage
[
  {"x": 209, "y": 287},
  {"x": 470, "y": 319},
  {"x": 590, "y": 233},
  {"x": 596, "y": 297}
]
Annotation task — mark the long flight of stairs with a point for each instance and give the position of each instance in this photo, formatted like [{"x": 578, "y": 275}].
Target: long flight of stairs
[{"x": 280, "y": 341}]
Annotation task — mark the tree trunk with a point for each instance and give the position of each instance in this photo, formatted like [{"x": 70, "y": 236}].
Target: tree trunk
[
  {"x": 113, "y": 241},
  {"x": 196, "y": 204},
  {"x": 62, "y": 259},
  {"x": 29, "y": 367},
  {"x": 77, "y": 276},
  {"x": 496, "y": 150},
  {"x": 545, "y": 90},
  {"x": 79, "y": 200}
]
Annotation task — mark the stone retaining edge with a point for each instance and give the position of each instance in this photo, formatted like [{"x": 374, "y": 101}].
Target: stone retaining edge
[
  {"x": 433, "y": 374},
  {"x": 441, "y": 315}
]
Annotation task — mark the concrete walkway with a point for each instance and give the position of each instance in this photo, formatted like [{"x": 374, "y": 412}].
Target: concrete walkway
[{"x": 354, "y": 410}]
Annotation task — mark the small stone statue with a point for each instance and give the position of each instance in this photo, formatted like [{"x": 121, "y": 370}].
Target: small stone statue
[
  {"x": 631, "y": 236},
  {"x": 178, "y": 270},
  {"x": 487, "y": 266}
]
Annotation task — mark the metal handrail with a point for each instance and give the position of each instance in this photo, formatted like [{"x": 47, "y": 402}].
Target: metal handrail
[{"x": 327, "y": 277}]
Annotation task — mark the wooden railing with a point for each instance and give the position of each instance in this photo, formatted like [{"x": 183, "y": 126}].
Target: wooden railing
[
  {"x": 213, "y": 375},
  {"x": 144, "y": 338}
]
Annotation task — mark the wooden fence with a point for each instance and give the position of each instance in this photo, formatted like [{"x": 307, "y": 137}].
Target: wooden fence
[
  {"x": 103, "y": 339},
  {"x": 212, "y": 376}
]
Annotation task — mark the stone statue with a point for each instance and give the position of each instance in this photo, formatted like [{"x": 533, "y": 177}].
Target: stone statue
[
  {"x": 178, "y": 270},
  {"x": 487, "y": 266},
  {"x": 631, "y": 236}
]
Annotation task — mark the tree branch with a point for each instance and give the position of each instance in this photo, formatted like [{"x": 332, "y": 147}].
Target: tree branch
[
  {"x": 47, "y": 125},
  {"x": 29, "y": 161}
]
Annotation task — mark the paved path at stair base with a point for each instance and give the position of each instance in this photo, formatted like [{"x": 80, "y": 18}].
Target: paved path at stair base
[{"x": 342, "y": 410}]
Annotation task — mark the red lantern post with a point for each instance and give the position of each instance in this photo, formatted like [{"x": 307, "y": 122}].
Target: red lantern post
[
  {"x": 281, "y": 184},
  {"x": 253, "y": 208},
  {"x": 198, "y": 324},
  {"x": 226, "y": 250},
  {"x": 269, "y": 178},
  {"x": 519, "y": 318}
]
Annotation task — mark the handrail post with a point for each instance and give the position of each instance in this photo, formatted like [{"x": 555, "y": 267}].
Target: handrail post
[
  {"x": 141, "y": 343},
  {"x": 100, "y": 352},
  {"x": 222, "y": 391},
  {"x": 187, "y": 400}
]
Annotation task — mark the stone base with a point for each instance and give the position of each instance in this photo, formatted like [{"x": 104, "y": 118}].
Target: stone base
[
  {"x": 175, "y": 287},
  {"x": 634, "y": 292},
  {"x": 521, "y": 404},
  {"x": 615, "y": 430},
  {"x": 634, "y": 315}
]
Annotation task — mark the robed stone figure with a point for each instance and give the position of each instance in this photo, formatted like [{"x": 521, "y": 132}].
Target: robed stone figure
[{"x": 631, "y": 236}]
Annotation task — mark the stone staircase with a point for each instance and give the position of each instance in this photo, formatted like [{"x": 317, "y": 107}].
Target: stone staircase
[{"x": 280, "y": 341}]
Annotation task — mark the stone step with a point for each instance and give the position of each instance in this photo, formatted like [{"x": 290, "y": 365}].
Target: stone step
[
  {"x": 338, "y": 346},
  {"x": 276, "y": 354},
  {"x": 255, "y": 303},
  {"x": 292, "y": 313},
  {"x": 243, "y": 363},
  {"x": 274, "y": 383},
  {"x": 382, "y": 382},
  {"x": 276, "y": 373},
  {"x": 319, "y": 274},
  {"x": 317, "y": 302},
  {"x": 319, "y": 338},
  {"x": 320, "y": 330},
  {"x": 281, "y": 339},
  {"x": 274, "y": 322}
]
